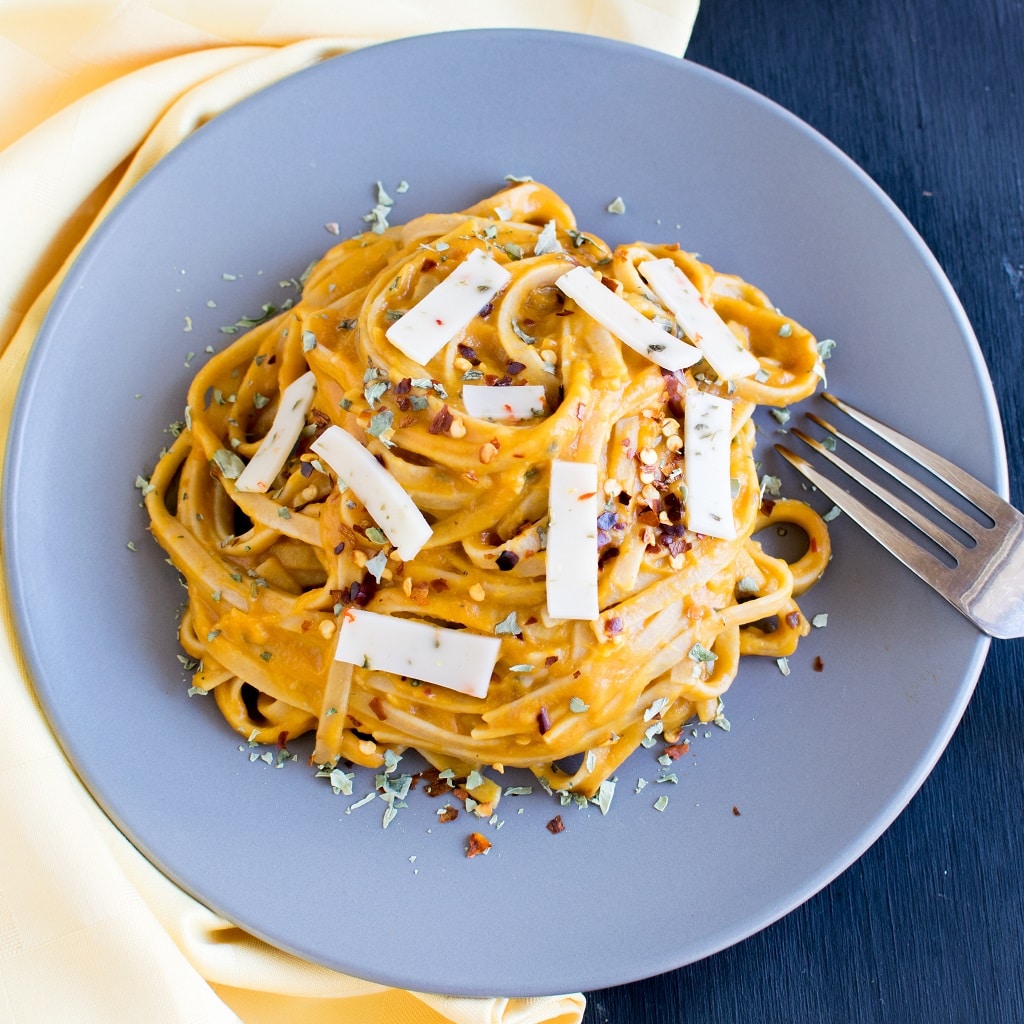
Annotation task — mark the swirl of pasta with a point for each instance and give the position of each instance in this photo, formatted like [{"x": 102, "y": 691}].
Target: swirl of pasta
[{"x": 270, "y": 573}]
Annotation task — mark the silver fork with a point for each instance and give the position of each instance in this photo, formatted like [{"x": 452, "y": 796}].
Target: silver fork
[{"x": 986, "y": 580}]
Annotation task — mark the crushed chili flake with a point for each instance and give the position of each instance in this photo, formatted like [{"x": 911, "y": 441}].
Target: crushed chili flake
[
  {"x": 736, "y": 811},
  {"x": 767, "y": 506},
  {"x": 817, "y": 664},
  {"x": 550, "y": 660},
  {"x": 448, "y": 813},
  {"x": 793, "y": 620},
  {"x": 507, "y": 560},
  {"x": 543, "y": 721},
  {"x": 555, "y": 825},
  {"x": 442, "y": 421},
  {"x": 427, "y": 265},
  {"x": 404, "y": 386},
  {"x": 676, "y": 750},
  {"x": 477, "y": 844},
  {"x": 338, "y": 548},
  {"x": 515, "y": 367},
  {"x": 433, "y": 784},
  {"x": 377, "y": 707},
  {"x": 282, "y": 739},
  {"x": 421, "y": 593},
  {"x": 364, "y": 590},
  {"x": 613, "y": 626},
  {"x": 439, "y": 586},
  {"x": 606, "y": 555},
  {"x": 469, "y": 354}
]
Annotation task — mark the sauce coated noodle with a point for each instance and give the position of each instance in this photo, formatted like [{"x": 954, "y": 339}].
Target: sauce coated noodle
[{"x": 269, "y": 575}]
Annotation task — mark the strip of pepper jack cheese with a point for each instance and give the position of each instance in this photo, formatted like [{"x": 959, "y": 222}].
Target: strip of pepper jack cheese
[
  {"x": 698, "y": 319},
  {"x": 629, "y": 325},
  {"x": 446, "y": 310},
  {"x": 494, "y": 402},
  {"x": 572, "y": 541},
  {"x": 454, "y": 658},
  {"x": 707, "y": 439},
  {"x": 387, "y": 502},
  {"x": 274, "y": 449}
]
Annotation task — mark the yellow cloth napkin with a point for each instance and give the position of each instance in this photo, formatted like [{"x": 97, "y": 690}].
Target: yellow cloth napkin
[{"x": 92, "y": 94}]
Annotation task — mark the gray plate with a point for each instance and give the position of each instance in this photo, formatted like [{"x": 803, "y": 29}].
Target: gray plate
[{"x": 817, "y": 763}]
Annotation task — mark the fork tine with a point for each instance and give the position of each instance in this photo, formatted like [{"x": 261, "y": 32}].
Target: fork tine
[
  {"x": 937, "y": 502},
  {"x": 913, "y": 556},
  {"x": 943, "y": 539},
  {"x": 982, "y": 497}
]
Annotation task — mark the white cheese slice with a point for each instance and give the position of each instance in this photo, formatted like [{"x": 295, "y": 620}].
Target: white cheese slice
[
  {"x": 453, "y": 658},
  {"x": 274, "y": 449},
  {"x": 707, "y": 438},
  {"x": 697, "y": 317},
  {"x": 447, "y": 310},
  {"x": 572, "y": 541},
  {"x": 385, "y": 499},
  {"x": 629, "y": 325},
  {"x": 515, "y": 402}
]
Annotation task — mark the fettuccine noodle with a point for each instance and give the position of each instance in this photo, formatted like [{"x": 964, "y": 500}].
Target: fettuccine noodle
[{"x": 271, "y": 575}]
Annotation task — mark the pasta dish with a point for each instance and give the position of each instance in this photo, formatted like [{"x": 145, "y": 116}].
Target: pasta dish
[{"x": 487, "y": 491}]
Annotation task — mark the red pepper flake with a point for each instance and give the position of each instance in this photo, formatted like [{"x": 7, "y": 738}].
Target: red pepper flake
[
  {"x": 609, "y": 283},
  {"x": 439, "y": 322},
  {"x": 767, "y": 505},
  {"x": 507, "y": 560},
  {"x": 442, "y": 421},
  {"x": 438, "y": 586},
  {"x": 377, "y": 707},
  {"x": 404, "y": 386},
  {"x": 550, "y": 660},
  {"x": 469, "y": 354},
  {"x": 364, "y": 590},
  {"x": 515, "y": 367},
  {"x": 613, "y": 626},
  {"x": 736, "y": 811},
  {"x": 477, "y": 844},
  {"x": 338, "y": 548},
  {"x": 813, "y": 544},
  {"x": 433, "y": 784},
  {"x": 305, "y": 625},
  {"x": 587, "y": 496},
  {"x": 427, "y": 265},
  {"x": 448, "y": 813},
  {"x": 555, "y": 825},
  {"x": 543, "y": 721},
  {"x": 676, "y": 750},
  {"x": 793, "y": 620},
  {"x": 282, "y": 739},
  {"x": 817, "y": 664}
]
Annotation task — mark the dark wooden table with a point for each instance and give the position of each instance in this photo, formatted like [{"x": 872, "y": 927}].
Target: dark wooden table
[{"x": 928, "y": 926}]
